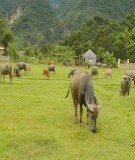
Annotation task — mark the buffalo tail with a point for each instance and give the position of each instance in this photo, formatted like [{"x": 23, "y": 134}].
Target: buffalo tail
[{"x": 68, "y": 91}]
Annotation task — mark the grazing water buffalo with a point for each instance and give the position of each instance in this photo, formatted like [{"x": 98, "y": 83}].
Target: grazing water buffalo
[
  {"x": 94, "y": 71},
  {"x": 83, "y": 93},
  {"x": 72, "y": 71},
  {"x": 46, "y": 73},
  {"x": 51, "y": 67},
  {"x": 125, "y": 85},
  {"x": 6, "y": 69},
  {"x": 16, "y": 71},
  {"x": 20, "y": 66},
  {"x": 108, "y": 72},
  {"x": 131, "y": 73}
]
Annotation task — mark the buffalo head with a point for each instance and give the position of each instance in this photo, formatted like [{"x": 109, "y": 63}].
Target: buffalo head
[{"x": 93, "y": 109}]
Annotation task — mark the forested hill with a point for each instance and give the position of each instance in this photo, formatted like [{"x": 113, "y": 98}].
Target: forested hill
[
  {"x": 43, "y": 21},
  {"x": 37, "y": 23},
  {"x": 7, "y": 7},
  {"x": 73, "y": 12}
]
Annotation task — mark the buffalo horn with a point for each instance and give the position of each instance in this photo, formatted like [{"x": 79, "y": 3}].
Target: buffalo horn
[{"x": 90, "y": 106}]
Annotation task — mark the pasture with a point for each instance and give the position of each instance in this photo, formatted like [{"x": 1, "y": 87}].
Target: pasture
[{"x": 37, "y": 122}]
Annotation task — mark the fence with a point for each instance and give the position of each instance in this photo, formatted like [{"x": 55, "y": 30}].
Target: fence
[
  {"x": 4, "y": 59},
  {"x": 127, "y": 66}
]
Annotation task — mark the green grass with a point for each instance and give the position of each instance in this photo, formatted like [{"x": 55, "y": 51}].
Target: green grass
[{"x": 37, "y": 122}]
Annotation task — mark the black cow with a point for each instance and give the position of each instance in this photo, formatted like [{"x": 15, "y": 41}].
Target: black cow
[
  {"x": 125, "y": 85},
  {"x": 83, "y": 93},
  {"x": 6, "y": 69}
]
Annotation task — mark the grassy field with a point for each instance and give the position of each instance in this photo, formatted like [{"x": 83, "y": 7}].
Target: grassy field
[{"x": 37, "y": 122}]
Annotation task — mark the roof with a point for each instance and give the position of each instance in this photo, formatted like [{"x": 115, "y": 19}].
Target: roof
[
  {"x": 1, "y": 48},
  {"x": 89, "y": 54}
]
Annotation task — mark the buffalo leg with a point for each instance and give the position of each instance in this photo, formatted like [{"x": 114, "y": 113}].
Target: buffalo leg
[
  {"x": 10, "y": 76},
  {"x": 75, "y": 107},
  {"x": 4, "y": 78},
  {"x": 87, "y": 122},
  {"x": 81, "y": 112}
]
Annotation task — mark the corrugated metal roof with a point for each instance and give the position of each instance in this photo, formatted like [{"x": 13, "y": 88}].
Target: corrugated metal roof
[{"x": 89, "y": 54}]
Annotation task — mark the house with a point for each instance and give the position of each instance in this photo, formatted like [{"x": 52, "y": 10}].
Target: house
[
  {"x": 89, "y": 57},
  {"x": 3, "y": 59},
  {"x": 1, "y": 50}
]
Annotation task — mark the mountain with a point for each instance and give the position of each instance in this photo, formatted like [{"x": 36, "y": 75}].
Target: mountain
[
  {"x": 7, "y": 7},
  {"x": 43, "y": 21},
  {"x": 33, "y": 22},
  {"x": 72, "y": 13}
]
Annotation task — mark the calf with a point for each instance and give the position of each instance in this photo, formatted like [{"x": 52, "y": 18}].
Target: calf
[
  {"x": 28, "y": 67},
  {"x": 46, "y": 73},
  {"x": 125, "y": 85},
  {"x": 108, "y": 72}
]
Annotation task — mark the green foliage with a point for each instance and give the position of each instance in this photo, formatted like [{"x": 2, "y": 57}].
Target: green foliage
[
  {"x": 2, "y": 27},
  {"x": 74, "y": 12},
  {"x": 109, "y": 59},
  {"x": 59, "y": 53},
  {"x": 12, "y": 51},
  {"x": 101, "y": 34},
  {"x": 37, "y": 24},
  {"x": 7, "y": 38}
]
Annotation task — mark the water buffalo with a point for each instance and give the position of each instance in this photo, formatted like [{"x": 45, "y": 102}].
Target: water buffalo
[
  {"x": 16, "y": 71},
  {"x": 72, "y": 71},
  {"x": 6, "y": 69},
  {"x": 94, "y": 71},
  {"x": 131, "y": 73},
  {"x": 83, "y": 93},
  {"x": 108, "y": 72},
  {"x": 125, "y": 85},
  {"x": 51, "y": 67},
  {"x": 20, "y": 66}
]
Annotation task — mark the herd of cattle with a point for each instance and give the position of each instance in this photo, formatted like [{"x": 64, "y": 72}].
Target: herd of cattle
[
  {"x": 81, "y": 86},
  {"x": 6, "y": 69}
]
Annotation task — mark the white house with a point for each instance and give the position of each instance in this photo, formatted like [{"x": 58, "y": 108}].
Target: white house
[{"x": 90, "y": 57}]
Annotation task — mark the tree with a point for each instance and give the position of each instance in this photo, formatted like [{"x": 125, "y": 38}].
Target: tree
[
  {"x": 8, "y": 37},
  {"x": 108, "y": 58},
  {"x": 2, "y": 28},
  {"x": 12, "y": 51}
]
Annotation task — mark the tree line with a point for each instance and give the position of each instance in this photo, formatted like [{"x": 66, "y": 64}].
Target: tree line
[{"x": 109, "y": 39}]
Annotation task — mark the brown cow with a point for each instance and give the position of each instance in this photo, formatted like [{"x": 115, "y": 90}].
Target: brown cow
[
  {"x": 46, "y": 73},
  {"x": 28, "y": 67},
  {"x": 108, "y": 72}
]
